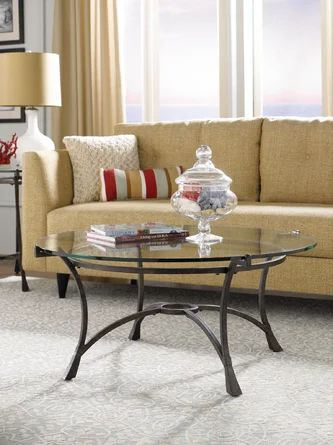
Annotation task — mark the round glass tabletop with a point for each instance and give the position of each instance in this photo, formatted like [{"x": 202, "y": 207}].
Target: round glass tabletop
[{"x": 238, "y": 242}]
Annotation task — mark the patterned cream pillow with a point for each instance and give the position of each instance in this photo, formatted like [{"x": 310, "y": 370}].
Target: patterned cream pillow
[{"x": 91, "y": 153}]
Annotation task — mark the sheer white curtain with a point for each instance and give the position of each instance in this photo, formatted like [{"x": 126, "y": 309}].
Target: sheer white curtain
[{"x": 327, "y": 56}]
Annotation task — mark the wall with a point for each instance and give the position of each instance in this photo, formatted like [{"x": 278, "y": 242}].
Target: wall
[{"x": 38, "y": 16}]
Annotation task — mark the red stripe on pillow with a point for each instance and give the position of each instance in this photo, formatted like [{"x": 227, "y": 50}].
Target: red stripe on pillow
[
  {"x": 150, "y": 183},
  {"x": 110, "y": 185}
]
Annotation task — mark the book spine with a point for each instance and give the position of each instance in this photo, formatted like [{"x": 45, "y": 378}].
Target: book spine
[
  {"x": 120, "y": 230},
  {"x": 150, "y": 237},
  {"x": 176, "y": 230},
  {"x": 101, "y": 242},
  {"x": 110, "y": 238},
  {"x": 113, "y": 233},
  {"x": 97, "y": 236}
]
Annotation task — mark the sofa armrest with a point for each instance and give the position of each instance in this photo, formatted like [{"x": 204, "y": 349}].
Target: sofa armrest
[{"x": 47, "y": 185}]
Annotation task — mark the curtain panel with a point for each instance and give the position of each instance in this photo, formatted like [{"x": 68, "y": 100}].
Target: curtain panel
[{"x": 86, "y": 37}]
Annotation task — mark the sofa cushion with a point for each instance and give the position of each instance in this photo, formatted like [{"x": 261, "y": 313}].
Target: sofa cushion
[
  {"x": 296, "y": 161},
  {"x": 165, "y": 143},
  {"x": 90, "y": 153},
  {"x": 312, "y": 220},
  {"x": 316, "y": 221},
  {"x": 81, "y": 216},
  {"x": 119, "y": 184},
  {"x": 235, "y": 145}
]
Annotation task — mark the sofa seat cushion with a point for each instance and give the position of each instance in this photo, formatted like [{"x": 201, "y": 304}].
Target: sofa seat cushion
[
  {"x": 81, "y": 216},
  {"x": 316, "y": 221}
]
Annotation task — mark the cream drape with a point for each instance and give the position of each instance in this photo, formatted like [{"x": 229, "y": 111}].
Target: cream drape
[{"x": 86, "y": 37}]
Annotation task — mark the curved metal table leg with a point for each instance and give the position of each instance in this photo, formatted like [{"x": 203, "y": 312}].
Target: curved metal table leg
[
  {"x": 273, "y": 344},
  {"x": 82, "y": 345},
  {"x": 206, "y": 329},
  {"x": 232, "y": 385},
  {"x": 80, "y": 348}
]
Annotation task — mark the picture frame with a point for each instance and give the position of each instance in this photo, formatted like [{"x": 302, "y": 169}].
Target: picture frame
[
  {"x": 11, "y": 22},
  {"x": 12, "y": 114}
]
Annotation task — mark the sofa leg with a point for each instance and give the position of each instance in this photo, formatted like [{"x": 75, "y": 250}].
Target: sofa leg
[{"x": 62, "y": 281}]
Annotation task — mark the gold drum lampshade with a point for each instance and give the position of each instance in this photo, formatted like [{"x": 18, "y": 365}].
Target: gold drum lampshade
[{"x": 30, "y": 79}]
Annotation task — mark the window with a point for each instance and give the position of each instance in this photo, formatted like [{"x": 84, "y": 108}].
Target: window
[
  {"x": 291, "y": 63},
  {"x": 188, "y": 62},
  {"x": 268, "y": 52},
  {"x": 130, "y": 50},
  {"x": 187, "y": 65}
]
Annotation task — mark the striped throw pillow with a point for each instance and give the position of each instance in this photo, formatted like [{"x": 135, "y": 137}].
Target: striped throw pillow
[{"x": 138, "y": 184}]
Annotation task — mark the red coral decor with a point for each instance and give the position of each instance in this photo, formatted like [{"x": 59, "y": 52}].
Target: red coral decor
[{"x": 8, "y": 149}]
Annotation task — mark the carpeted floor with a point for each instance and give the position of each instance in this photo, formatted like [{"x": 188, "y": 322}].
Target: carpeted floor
[{"x": 167, "y": 388}]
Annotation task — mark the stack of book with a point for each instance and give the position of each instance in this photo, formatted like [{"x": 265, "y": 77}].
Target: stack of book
[{"x": 116, "y": 234}]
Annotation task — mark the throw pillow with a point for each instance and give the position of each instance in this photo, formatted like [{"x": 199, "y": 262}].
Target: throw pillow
[
  {"x": 90, "y": 153},
  {"x": 138, "y": 184}
]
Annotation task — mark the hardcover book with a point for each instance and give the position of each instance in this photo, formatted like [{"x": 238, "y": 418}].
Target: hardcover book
[
  {"x": 114, "y": 230},
  {"x": 137, "y": 237},
  {"x": 125, "y": 248}
]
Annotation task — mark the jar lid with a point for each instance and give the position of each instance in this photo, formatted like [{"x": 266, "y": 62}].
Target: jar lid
[{"x": 204, "y": 171}]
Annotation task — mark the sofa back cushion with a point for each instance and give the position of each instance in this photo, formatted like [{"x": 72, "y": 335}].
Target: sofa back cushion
[
  {"x": 296, "y": 161},
  {"x": 165, "y": 143},
  {"x": 235, "y": 144}
]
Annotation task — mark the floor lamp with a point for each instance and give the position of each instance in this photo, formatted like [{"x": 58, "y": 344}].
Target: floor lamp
[{"x": 30, "y": 80}]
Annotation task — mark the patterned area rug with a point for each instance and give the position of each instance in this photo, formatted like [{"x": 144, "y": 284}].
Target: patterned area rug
[{"x": 167, "y": 388}]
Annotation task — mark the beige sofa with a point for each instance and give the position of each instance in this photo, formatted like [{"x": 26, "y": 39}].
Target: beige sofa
[{"x": 282, "y": 171}]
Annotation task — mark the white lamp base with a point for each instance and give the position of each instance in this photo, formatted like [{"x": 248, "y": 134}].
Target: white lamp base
[{"x": 32, "y": 139}]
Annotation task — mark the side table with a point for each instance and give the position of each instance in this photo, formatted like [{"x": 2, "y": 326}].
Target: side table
[{"x": 14, "y": 177}]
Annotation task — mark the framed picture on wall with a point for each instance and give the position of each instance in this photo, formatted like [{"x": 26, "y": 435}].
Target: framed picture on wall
[
  {"x": 11, "y": 114},
  {"x": 11, "y": 22}
]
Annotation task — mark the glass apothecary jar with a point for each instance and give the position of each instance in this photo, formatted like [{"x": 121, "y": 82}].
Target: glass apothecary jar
[{"x": 204, "y": 195}]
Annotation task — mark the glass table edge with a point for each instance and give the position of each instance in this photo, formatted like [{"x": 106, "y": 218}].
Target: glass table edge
[{"x": 48, "y": 253}]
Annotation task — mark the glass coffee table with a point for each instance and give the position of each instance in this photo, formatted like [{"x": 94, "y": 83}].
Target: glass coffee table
[{"x": 242, "y": 250}]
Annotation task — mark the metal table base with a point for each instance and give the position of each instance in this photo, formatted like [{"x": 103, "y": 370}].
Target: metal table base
[{"x": 191, "y": 311}]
